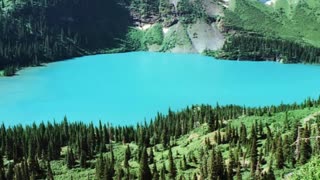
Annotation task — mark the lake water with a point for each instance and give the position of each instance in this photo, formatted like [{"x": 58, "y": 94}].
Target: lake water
[{"x": 128, "y": 88}]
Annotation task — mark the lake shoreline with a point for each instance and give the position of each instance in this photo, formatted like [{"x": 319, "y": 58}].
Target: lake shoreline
[
  {"x": 132, "y": 86},
  {"x": 122, "y": 52}
]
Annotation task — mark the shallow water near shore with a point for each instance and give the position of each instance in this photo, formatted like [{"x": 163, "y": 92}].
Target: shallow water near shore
[{"x": 127, "y": 88}]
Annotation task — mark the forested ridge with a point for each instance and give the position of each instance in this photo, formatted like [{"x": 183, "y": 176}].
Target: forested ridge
[
  {"x": 259, "y": 48},
  {"x": 285, "y": 30},
  {"x": 260, "y": 145},
  {"x": 36, "y": 31},
  {"x": 39, "y": 31}
]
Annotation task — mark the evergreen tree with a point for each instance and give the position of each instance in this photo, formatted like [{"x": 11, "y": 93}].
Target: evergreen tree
[
  {"x": 231, "y": 165},
  {"x": 305, "y": 147},
  {"x": 254, "y": 153},
  {"x": 145, "y": 173},
  {"x": 83, "y": 159},
  {"x": 279, "y": 154},
  {"x": 70, "y": 160},
  {"x": 172, "y": 166},
  {"x": 49, "y": 171},
  {"x": 127, "y": 157},
  {"x": 100, "y": 166},
  {"x": 184, "y": 163}
]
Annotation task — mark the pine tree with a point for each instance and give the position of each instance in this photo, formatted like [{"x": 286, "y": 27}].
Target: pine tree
[
  {"x": 172, "y": 166},
  {"x": 49, "y": 171},
  {"x": 254, "y": 153},
  {"x": 108, "y": 172},
  {"x": 231, "y": 165},
  {"x": 145, "y": 173},
  {"x": 127, "y": 157},
  {"x": 305, "y": 148},
  {"x": 70, "y": 160},
  {"x": 184, "y": 163},
  {"x": 219, "y": 165},
  {"x": 212, "y": 165},
  {"x": 100, "y": 165},
  {"x": 83, "y": 159},
  {"x": 279, "y": 154}
]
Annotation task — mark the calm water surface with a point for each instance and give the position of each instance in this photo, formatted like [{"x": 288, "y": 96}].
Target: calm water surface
[{"x": 128, "y": 88}]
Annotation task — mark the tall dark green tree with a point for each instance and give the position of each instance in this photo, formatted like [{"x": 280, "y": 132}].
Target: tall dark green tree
[
  {"x": 49, "y": 171},
  {"x": 172, "y": 166},
  {"x": 127, "y": 157},
  {"x": 305, "y": 147},
  {"x": 145, "y": 172},
  {"x": 70, "y": 159},
  {"x": 254, "y": 152},
  {"x": 279, "y": 154}
]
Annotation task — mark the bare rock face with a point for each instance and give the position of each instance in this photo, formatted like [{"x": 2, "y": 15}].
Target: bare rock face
[
  {"x": 193, "y": 36},
  {"x": 205, "y": 36}
]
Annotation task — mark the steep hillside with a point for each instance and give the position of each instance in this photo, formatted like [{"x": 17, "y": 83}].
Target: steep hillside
[
  {"x": 35, "y": 31},
  {"x": 201, "y": 142},
  {"x": 284, "y": 31},
  {"x": 38, "y": 31},
  {"x": 189, "y": 26}
]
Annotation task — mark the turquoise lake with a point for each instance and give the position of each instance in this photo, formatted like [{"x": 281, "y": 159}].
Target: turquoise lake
[{"x": 124, "y": 89}]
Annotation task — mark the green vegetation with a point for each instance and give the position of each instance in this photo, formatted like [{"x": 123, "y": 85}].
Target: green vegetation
[
  {"x": 35, "y": 31},
  {"x": 9, "y": 71},
  {"x": 207, "y": 142},
  {"x": 134, "y": 40},
  {"x": 257, "y": 48},
  {"x": 154, "y": 35},
  {"x": 288, "y": 31}
]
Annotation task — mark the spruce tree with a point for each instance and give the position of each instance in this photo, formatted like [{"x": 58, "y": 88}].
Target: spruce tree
[
  {"x": 49, "y": 171},
  {"x": 184, "y": 163},
  {"x": 127, "y": 157},
  {"x": 231, "y": 164},
  {"x": 279, "y": 154},
  {"x": 254, "y": 154},
  {"x": 100, "y": 165},
  {"x": 172, "y": 166},
  {"x": 70, "y": 160},
  {"x": 145, "y": 173},
  {"x": 305, "y": 148},
  {"x": 83, "y": 159}
]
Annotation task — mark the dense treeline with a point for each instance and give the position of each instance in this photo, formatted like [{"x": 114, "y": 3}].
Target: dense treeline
[
  {"x": 27, "y": 151},
  {"x": 257, "y": 48},
  {"x": 35, "y": 31}
]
